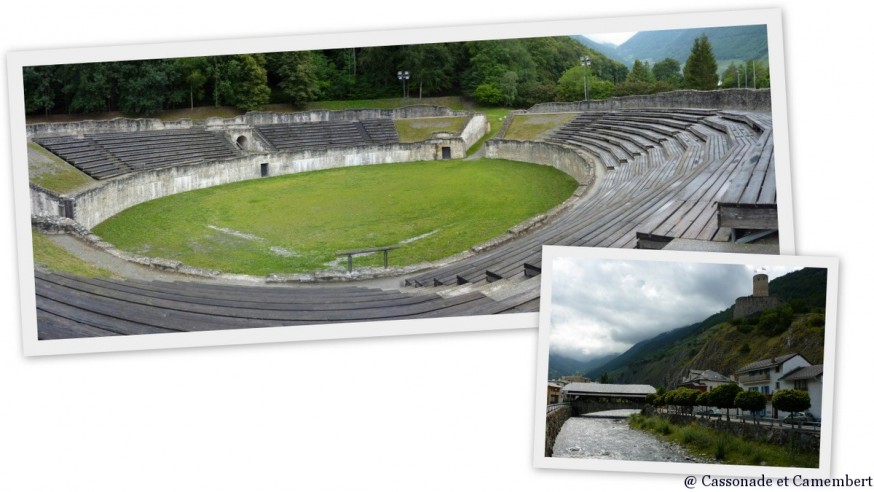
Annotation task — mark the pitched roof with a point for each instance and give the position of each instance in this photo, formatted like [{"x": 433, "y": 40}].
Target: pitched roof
[
  {"x": 807, "y": 372},
  {"x": 765, "y": 363},
  {"x": 706, "y": 374}
]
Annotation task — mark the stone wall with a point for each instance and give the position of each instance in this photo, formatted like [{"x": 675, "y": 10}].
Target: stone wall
[
  {"x": 742, "y": 99},
  {"x": 43, "y": 201},
  {"x": 558, "y": 156},
  {"x": 475, "y": 128},
  {"x": 554, "y": 420},
  {"x": 97, "y": 204},
  {"x": 746, "y": 306}
]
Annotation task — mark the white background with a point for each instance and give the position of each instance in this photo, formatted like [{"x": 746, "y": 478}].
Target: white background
[{"x": 417, "y": 412}]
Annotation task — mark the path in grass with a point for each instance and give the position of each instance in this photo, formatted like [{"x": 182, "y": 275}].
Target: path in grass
[{"x": 296, "y": 223}]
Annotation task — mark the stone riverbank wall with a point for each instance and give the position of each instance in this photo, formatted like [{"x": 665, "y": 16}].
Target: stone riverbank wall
[{"x": 554, "y": 420}]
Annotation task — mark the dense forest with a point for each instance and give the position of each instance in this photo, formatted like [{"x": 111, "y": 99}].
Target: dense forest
[{"x": 512, "y": 73}]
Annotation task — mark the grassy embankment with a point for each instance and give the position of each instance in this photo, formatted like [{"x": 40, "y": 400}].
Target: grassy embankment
[
  {"x": 535, "y": 126},
  {"x": 724, "y": 447},
  {"x": 296, "y": 223},
  {"x": 50, "y": 172}
]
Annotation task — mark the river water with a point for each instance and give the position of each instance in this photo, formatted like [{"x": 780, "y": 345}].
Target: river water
[{"x": 609, "y": 437}]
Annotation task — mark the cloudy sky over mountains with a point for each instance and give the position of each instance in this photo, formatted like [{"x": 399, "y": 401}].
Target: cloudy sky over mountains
[{"x": 602, "y": 306}]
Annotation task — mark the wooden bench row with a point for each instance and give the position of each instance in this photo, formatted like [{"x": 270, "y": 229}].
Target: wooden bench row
[
  {"x": 74, "y": 307},
  {"x": 670, "y": 191}
]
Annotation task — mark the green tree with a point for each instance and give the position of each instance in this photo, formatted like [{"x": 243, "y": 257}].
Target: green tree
[
  {"x": 640, "y": 72},
  {"x": 703, "y": 399},
  {"x": 91, "y": 86},
  {"x": 751, "y": 401},
  {"x": 604, "y": 379},
  {"x": 723, "y": 396},
  {"x": 247, "y": 81},
  {"x": 758, "y": 74},
  {"x": 700, "y": 69},
  {"x": 488, "y": 95},
  {"x": 790, "y": 400},
  {"x": 41, "y": 87},
  {"x": 296, "y": 75},
  {"x": 668, "y": 71},
  {"x": 431, "y": 67},
  {"x": 731, "y": 78},
  {"x": 510, "y": 87},
  {"x": 685, "y": 397},
  {"x": 144, "y": 87},
  {"x": 571, "y": 88},
  {"x": 193, "y": 72}
]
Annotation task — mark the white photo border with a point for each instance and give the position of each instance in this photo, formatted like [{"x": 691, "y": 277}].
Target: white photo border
[
  {"x": 550, "y": 253},
  {"x": 17, "y": 60}
]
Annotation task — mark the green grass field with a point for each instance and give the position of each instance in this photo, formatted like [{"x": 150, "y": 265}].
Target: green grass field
[{"x": 296, "y": 223}]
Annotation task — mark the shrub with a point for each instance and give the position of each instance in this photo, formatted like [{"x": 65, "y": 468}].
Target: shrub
[{"x": 696, "y": 436}]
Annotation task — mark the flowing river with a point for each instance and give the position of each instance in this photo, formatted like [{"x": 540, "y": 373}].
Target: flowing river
[{"x": 609, "y": 437}]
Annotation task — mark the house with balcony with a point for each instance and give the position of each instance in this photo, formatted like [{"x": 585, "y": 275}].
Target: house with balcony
[{"x": 766, "y": 376}]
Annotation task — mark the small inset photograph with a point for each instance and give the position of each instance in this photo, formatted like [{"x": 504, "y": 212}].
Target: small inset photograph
[{"x": 677, "y": 362}]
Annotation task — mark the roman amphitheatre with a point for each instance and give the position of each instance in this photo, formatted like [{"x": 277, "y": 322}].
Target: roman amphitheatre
[{"x": 688, "y": 170}]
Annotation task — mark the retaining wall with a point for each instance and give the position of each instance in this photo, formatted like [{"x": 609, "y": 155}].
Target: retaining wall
[
  {"x": 554, "y": 420},
  {"x": 558, "y": 156},
  {"x": 742, "y": 99},
  {"x": 476, "y": 128}
]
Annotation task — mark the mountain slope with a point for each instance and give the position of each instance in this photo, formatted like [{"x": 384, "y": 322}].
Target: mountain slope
[{"x": 729, "y": 43}]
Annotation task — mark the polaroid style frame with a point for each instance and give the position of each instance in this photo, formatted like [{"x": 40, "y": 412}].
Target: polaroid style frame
[
  {"x": 17, "y": 60},
  {"x": 551, "y": 253}
]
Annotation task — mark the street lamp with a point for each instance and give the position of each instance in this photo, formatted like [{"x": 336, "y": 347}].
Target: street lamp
[
  {"x": 403, "y": 76},
  {"x": 585, "y": 61}
]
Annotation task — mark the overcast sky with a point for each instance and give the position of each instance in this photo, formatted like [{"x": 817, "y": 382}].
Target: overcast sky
[
  {"x": 604, "y": 306},
  {"x": 616, "y": 38}
]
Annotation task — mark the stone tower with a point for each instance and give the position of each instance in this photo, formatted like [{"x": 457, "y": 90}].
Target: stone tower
[
  {"x": 760, "y": 285},
  {"x": 759, "y": 301}
]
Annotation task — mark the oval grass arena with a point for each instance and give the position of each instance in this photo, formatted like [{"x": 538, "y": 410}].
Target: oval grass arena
[{"x": 296, "y": 223}]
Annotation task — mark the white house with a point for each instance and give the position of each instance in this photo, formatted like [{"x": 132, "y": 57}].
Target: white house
[
  {"x": 807, "y": 379},
  {"x": 766, "y": 376}
]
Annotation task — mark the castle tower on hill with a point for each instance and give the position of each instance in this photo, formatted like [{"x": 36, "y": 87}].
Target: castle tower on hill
[
  {"x": 759, "y": 301},
  {"x": 760, "y": 285}
]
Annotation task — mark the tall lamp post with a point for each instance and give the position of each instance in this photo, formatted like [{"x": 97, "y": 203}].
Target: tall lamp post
[
  {"x": 403, "y": 76},
  {"x": 585, "y": 61}
]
